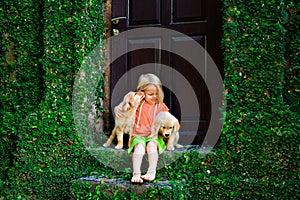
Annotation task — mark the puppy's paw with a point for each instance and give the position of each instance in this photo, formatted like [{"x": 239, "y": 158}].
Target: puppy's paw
[
  {"x": 178, "y": 146},
  {"x": 106, "y": 144},
  {"x": 170, "y": 148},
  {"x": 119, "y": 146}
]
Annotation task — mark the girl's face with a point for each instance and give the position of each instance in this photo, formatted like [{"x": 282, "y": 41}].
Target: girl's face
[{"x": 151, "y": 94}]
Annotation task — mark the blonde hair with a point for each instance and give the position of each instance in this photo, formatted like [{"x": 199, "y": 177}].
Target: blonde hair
[{"x": 150, "y": 79}]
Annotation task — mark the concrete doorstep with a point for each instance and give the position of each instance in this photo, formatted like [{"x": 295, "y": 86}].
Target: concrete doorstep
[
  {"x": 108, "y": 156},
  {"x": 123, "y": 185}
]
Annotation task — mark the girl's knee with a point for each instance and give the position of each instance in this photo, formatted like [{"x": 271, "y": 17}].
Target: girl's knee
[
  {"x": 151, "y": 147},
  {"x": 139, "y": 148},
  {"x": 152, "y": 144}
]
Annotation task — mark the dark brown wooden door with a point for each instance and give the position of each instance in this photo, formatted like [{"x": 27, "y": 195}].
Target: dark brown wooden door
[{"x": 198, "y": 19}]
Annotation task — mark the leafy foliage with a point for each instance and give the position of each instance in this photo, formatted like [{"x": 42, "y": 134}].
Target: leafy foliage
[
  {"x": 44, "y": 43},
  {"x": 42, "y": 48},
  {"x": 291, "y": 21}
]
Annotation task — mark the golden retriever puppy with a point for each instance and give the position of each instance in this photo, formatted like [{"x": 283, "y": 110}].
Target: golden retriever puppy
[
  {"x": 166, "y": 125},
  {"x": 125, "y": 123}
]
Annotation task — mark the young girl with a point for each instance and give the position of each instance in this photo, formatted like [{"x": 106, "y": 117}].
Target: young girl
[{"x": 142, "y": 143}]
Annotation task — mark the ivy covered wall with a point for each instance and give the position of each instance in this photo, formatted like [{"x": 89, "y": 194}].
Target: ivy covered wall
[
  {"x": 42, "y": 47},
  {"x": 21, "y": 75},
  {"x": 261, "y": 131}
]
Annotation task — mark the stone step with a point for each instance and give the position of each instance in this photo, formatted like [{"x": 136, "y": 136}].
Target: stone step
[
  {"x": 109, "y": 186},
  {"x": 123, "y": 185},
  {"x": 120, "y": 160}
]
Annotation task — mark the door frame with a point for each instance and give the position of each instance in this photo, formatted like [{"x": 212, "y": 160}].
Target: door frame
[{"x": 109, "y": 26}]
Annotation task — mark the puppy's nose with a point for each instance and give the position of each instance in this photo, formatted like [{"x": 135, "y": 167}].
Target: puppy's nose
[{"x": 167, "y": 135}]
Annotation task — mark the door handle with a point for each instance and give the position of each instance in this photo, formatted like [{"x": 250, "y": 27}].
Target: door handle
[
  {"x": 116, "y": 20},
  {"x": 116, "y": 32}
]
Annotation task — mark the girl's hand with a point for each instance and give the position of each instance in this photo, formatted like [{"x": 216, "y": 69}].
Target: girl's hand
[{"x": 118, "y": 111}]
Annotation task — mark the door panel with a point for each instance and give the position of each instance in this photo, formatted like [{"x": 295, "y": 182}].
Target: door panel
[
  {"x": 141, "y": 57},
  {"x": 188, "y": 10},
  {"x": 201, "y": 21},
  {"x": 144, "y": 12}
]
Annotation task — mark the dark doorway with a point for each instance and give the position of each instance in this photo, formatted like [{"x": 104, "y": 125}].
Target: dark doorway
[{"x": 200, "y": 20}]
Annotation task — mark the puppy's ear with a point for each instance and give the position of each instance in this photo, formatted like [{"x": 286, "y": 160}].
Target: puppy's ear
[
  {"x": 155, "y": 129},
  {"x": 125, "y": 106},
  {"x": 124, "y": 103},
  {"x": 127, "y": 102},
  {"x": 131, "y": 101},
  {"x": 176, "y": 127}
]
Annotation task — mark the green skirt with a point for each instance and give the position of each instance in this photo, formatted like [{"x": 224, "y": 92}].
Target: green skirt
[{"x": 143, "y": 140}]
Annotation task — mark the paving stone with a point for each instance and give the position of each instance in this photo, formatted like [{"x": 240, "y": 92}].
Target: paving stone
[{"x": 123, "y": 185}]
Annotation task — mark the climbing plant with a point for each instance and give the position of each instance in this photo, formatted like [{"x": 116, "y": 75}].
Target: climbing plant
[{"x": 43, "y": 46}]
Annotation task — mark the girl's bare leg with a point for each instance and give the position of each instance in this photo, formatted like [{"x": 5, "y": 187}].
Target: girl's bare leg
[
  {"x": 153, "y": 158},
  {"x": 137, "y": 159}
]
